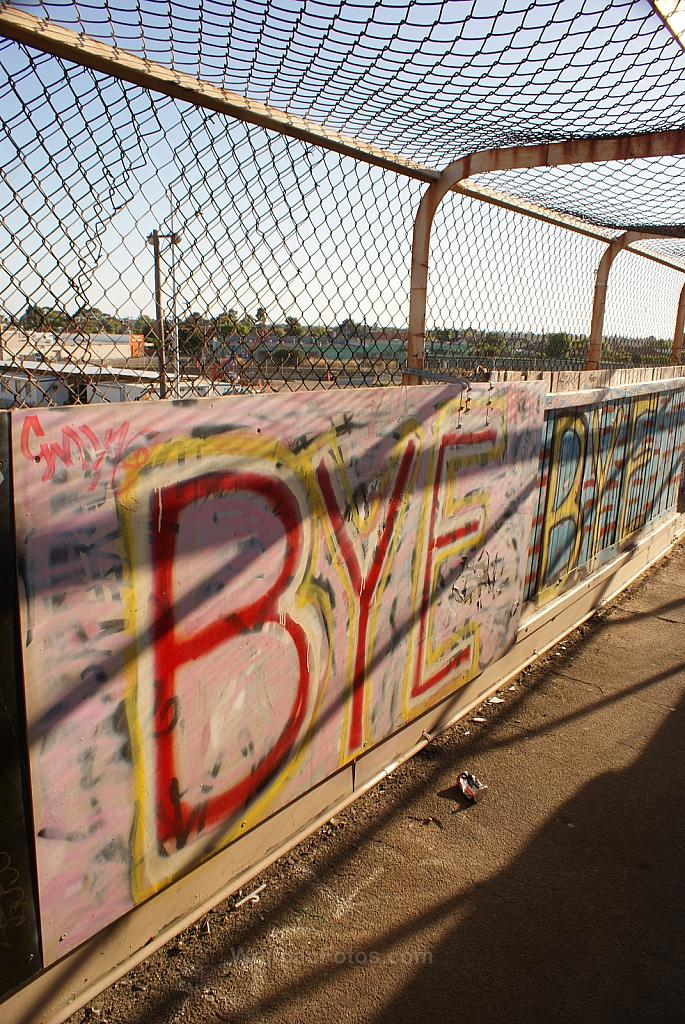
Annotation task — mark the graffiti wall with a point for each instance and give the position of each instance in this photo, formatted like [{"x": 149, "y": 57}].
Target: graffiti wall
[
  {"x": 223, "y": 602},
  {"x": 607, "y": 469}
]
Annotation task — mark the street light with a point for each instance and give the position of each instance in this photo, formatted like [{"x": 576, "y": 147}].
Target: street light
[{"x": 174, "y": 238}]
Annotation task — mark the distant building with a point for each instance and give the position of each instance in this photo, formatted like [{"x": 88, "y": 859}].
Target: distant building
[
  {"x": 102, "y": 348},
  {"x": 16, "y": 343},
  {"x": 31, "y": 383}
]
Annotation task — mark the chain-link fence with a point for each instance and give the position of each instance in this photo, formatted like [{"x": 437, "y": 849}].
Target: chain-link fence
[
  {"x": 507, "y": 291},
  {"x": 638, "y": 331},
  {"x": 151, "y": 245}
]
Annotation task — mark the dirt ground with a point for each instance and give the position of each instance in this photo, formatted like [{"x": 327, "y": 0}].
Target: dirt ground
[{"x": 558, "y": 898}]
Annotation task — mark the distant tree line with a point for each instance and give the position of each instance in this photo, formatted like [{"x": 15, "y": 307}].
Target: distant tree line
[{"x": 199, "y": 335}]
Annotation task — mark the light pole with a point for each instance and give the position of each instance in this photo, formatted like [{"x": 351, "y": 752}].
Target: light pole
[
  {"x": 174, "y": 238},
  {"x": 153, "y": 240}
]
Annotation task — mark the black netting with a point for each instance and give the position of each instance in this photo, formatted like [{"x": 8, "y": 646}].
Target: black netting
[
  {"x": 672, "y": 249},
  {"x": 429, "y": 80},
  {"x": 640, "y": 194}
]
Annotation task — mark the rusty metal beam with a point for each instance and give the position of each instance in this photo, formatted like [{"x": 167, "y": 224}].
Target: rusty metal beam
[
  {"x": 583, "y": 151},
  {"x": 474, "y": 190},
  {"x": 677, "y": 350},
  {"x": 594, "y": 356},
  {"x": 672, "y": 13},
  {"x": 81, "y": 49}
]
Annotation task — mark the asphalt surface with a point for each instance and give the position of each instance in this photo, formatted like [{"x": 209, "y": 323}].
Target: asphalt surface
[{"x": 558, "y": 898}]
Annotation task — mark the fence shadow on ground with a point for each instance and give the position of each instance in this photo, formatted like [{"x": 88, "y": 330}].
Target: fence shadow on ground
[{"x": 596, "y": 936}]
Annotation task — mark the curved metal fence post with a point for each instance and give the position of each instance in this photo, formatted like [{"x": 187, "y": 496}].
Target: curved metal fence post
[
  {"x": 418, "y": 288},
  {"x": 624, "y": 241},
  {"x": 677, "y": 350},
  {"x": 594, "y": 354}
]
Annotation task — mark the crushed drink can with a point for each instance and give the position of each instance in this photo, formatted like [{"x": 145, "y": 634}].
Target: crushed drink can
[{"x": 471, "y": 787}]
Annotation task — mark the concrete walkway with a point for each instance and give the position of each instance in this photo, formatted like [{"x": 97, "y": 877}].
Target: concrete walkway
[{"x": 559, "y": 898}]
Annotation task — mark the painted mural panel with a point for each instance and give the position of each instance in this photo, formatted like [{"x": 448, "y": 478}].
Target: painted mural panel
[
  {"x": 225, "y": 601},
  {"x": 605, "y": 472}
]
